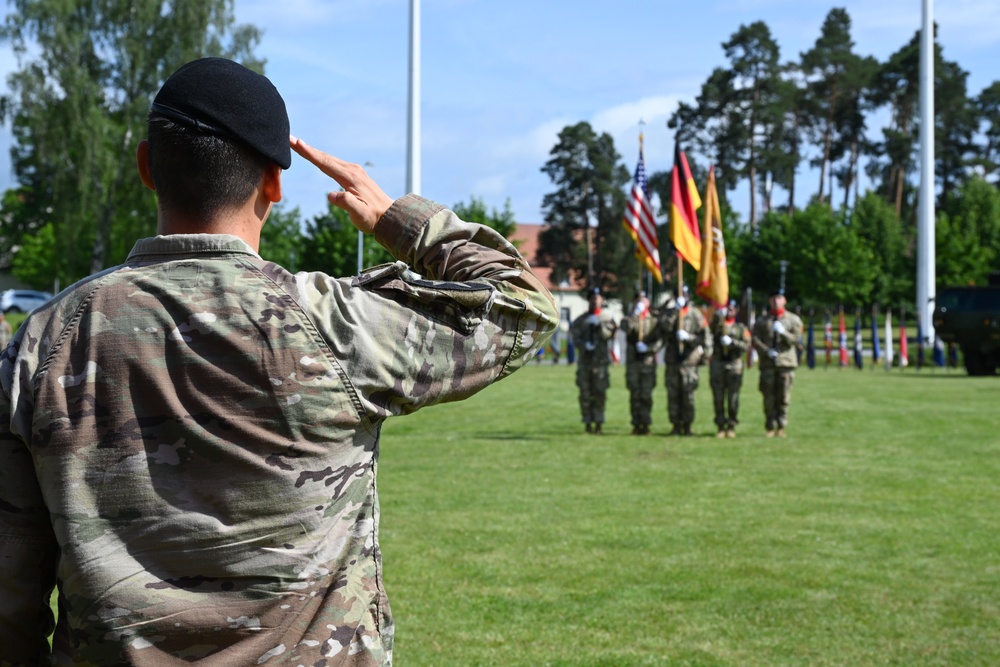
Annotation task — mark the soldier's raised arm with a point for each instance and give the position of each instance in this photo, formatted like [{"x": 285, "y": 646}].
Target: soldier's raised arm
[{"x": 459, "y": 310}]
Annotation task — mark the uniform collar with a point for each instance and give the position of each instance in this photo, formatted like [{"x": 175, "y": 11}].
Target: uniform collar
[{"x": 187, "y": 244}]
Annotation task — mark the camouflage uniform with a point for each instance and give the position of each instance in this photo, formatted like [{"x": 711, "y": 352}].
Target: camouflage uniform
[
  {"x": 189, "y": 441},
  {"x": 642, "y": 341},
  {"x": 682, "y": 360},
  {"x": 777, "y": 373},
  {"x": 726, "y": 370},
  {"x": 591, "y": 334}
]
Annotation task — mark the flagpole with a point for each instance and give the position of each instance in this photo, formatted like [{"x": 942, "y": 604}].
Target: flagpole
[
  {"x": 639, "y": 283},
  {"x": 590, "y": 237},
  {"x": 413, "y": 118},
  {"x": 925, "y": 225}
]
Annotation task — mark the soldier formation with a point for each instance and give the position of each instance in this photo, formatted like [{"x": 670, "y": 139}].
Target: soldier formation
[{"x": 688, "y": 342}]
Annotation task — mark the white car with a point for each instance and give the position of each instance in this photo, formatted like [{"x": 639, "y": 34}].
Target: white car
[{"x": 22, "y": 300}]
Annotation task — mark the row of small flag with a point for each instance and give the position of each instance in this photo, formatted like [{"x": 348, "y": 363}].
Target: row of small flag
[{"x": 900, "y": 353}]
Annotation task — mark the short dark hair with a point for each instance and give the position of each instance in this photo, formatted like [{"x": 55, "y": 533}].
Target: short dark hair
[{"x": 199, "y": 174}]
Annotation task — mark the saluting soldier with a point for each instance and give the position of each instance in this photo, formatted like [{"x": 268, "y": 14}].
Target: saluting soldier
[
  {"x": 642, "y": 341},
  {"x": 776, "y": 337},
  {"x": 591, "y": 333},
  {"x": 731, "y": 339},
  {"x": 686, "y": 346}
]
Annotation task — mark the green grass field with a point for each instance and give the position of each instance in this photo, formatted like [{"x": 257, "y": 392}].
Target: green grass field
[{"x": 868, "y": 537}]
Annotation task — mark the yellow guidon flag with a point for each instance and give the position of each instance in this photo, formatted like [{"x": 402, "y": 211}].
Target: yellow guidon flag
[
  {"x": 713, "y": 276},
  {"x": 684, "y": 203}
]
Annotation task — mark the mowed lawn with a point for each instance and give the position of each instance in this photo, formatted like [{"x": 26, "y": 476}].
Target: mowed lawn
[{"x": 870, "y": 536}]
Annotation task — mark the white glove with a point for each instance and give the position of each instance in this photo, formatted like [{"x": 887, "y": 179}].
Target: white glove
[
  {"x": 779, "y": 328},
  {"x": 681, "y": 302},
  {"x": 641, "y": 347},
  {"x": 726, "y": 341},
  {"x": 639, "y": 309},
  {"x": 773, "y": 353},
  {"x": 723, "y": 311},
  {"x": 683, "y": 335},
  {"x": 593, "y": 320}
]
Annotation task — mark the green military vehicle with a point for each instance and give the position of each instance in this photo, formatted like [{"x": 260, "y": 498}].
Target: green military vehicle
[{"x": 970, "y": 316}]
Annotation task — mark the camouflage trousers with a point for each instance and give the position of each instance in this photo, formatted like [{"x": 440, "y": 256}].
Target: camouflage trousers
[
  {"x": 726, "y": 384},
  {"x": 593, "y": 383},
  {"x": 681, "y": 381},
  {"x": 640, "y": 378},
  {"x": 776, "y": 385}
]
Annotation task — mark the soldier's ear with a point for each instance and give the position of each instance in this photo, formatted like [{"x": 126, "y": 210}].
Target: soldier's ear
[{"x": 142, "y": 164}]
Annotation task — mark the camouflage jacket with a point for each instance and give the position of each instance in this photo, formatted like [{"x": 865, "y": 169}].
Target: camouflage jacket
[
  {"x": 643, "y": 338},
  {"x": 765, "y": 338},
  {"x": 693, "y": 351},
  {"x": 729, "y": 357},
  {"x": 591, "y": 338},
  {"x": 189, "y": 441}
]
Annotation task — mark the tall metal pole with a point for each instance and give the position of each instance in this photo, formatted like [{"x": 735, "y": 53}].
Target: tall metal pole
[
  {"x": 925, "y": 223},
  {"x": 413, "y": 116}
]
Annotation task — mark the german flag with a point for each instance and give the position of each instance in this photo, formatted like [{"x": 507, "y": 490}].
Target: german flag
[{"x": 684, "y": 203}]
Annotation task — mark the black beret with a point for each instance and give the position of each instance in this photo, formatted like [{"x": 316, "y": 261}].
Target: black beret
[
  {"x": 777, "y": 292},
  {"x": 223, "y": 98}
]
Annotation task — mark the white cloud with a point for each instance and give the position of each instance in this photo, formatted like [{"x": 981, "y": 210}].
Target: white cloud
[
  {"x": 625, "y": 117},
  {"x": 493, "y": 186},
  {"x": 533, "y": 146}
]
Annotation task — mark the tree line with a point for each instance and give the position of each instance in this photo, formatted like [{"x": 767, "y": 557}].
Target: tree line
[
  {"x": 758, "y": 119},
  {"x": 77, "y": 105}
]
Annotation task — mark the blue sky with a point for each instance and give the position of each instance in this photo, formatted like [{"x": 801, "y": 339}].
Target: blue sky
[{"x": 501, "y": 79}]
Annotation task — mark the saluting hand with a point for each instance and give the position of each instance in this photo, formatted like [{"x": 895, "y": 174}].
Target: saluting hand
[{"x": 362, "y": 198}]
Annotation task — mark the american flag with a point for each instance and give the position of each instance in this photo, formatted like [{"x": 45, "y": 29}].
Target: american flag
[{"x": 640, "y": 223}]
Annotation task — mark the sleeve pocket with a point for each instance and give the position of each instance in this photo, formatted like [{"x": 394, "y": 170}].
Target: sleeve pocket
[{"x": 459, "y": 305}]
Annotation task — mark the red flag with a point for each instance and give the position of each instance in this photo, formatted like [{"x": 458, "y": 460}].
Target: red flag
[
  {"x": 844, "y": 358},
  {"x": 904, "y": 351},
  {"x": 684, "y": 202},
  {"x": 640, "y": 223}
]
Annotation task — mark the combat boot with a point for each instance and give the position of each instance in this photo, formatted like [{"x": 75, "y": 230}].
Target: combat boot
[
  {"x": 769, "y": 434},
  {"x": 687, "y": 429},
  {"x": 781, "y": 433},
  {"x": 590, "y": 428},
  {"x": 676, "y": 430},
  {"x": 731, "y": 432},
  {"x": 597, "y": 427},
  {"x": 721, "y": 433}
]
